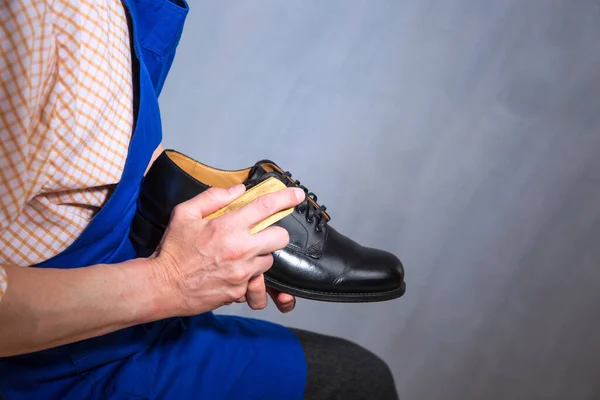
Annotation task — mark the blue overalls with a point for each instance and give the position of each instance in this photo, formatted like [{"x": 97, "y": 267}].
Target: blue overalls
[{"x": 203, "y": 357}]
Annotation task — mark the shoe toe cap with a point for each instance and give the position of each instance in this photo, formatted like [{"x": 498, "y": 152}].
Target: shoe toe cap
[
  {"x": 377, "y": 272},
  {"x": 385, "y": 272}
]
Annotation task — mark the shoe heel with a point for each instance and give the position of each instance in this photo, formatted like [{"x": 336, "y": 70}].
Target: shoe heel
[
  {"x": 144, "y": 235},
  {"x": 269, "y": 185}
]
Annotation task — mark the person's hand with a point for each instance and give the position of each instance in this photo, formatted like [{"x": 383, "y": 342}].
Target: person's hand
[
  {"x": 201, "y": 265},
  {"x": 285, "y": 302}
]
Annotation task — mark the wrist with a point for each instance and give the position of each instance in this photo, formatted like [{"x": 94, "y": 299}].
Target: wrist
[{"x": 153, "y": 300}]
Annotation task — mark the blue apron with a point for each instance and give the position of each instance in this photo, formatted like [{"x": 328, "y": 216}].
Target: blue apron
[{"x": 202, "y": 357}]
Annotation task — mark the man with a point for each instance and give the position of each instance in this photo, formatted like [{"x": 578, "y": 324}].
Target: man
[{"x": 80, "y": 125}]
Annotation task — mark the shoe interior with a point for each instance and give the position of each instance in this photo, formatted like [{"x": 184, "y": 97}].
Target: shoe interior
[
  {"x": 208, "y": 175},
  {"x": 222, "y": 178}
]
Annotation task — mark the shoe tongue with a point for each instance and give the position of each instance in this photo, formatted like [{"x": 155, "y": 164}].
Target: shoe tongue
[{"x": 263, "y": 168}]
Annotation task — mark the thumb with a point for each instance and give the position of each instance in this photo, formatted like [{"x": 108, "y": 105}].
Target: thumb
[{"x": 212, "y": 200}]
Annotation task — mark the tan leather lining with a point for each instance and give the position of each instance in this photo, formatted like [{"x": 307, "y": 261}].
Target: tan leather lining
[
  {"x": 208, "y": 175},
  {"x": 222, "y": 178},
  {"x": 271, "y": 167}
]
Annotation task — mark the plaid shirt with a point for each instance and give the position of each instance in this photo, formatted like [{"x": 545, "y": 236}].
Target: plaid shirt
[{"x": 66, "y": 118}]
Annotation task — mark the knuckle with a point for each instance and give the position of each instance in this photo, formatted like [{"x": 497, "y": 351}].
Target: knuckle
[
  {"x": 265, "y": 202},
  {"x": 212, "y": 194},
  {"x": 231, "y": 255},
  {"x": 258, "y": 305},
  {"x": 215, "y": 226},
  {"x": 180, "y": 211},
  {"x": 268, "y": 261},
  {"x": 241, "y": 299},
  {"x": 224, "y": 225},
  {"x": 239, "y": 275},
  {"x": 233, "y": 249},
  {"x": 237, "y": 292},
  {"x": 212, "y": 227},
  {"x": 256, "y": 284}
]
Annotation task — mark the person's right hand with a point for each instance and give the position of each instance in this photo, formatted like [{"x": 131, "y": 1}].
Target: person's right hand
[{"x": 201, "y": 265}]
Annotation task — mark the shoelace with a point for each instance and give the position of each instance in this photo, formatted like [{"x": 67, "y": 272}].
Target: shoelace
[{"x": 307, "y": 207}]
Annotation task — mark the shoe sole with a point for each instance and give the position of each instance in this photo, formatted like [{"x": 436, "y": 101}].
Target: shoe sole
[{"x": 336, "y": 297}]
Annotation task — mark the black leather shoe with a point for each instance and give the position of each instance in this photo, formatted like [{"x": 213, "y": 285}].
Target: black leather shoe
[{"x": 319, "y": 263}]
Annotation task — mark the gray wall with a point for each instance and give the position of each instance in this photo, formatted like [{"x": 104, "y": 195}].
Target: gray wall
[{"x": 462, "y": 135}]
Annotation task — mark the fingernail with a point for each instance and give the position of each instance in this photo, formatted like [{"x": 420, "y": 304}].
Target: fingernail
[
  {"x": 299, "y": 193},
  {"x": 237, "y": 189}
]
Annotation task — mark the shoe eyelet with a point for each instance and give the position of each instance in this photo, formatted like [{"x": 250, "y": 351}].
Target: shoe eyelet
[
  {"x": 318, "y": 228},
  {"x": 309, "y": 220},
  {"x": 299, "y": 210}
]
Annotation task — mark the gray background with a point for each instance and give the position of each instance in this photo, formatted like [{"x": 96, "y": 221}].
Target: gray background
[{"x": 462, "y": 135}]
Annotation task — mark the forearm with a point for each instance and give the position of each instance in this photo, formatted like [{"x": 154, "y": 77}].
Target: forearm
[{"x": 44, "y": 308}]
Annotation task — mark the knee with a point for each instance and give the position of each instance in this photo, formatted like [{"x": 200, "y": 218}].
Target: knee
[
  {"x": 340, "y": 369},
  {"x": 366, "y": 375},
  {"x": 368, "y": 366}
]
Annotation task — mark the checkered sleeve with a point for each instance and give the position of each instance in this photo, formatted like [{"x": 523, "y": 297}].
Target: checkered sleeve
[
  {"x": 27, "y": 62},
  {"x": 66, "y": 119}
]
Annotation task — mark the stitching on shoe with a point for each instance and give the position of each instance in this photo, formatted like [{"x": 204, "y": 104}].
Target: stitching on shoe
[{"x": 305, "y": 230}]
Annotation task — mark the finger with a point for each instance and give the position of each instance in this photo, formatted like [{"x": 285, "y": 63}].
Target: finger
[
  {"x": 256, "y": 294},
  {"x": 284, "y": 302},
  {"x": 261, "y": 264},
  {"x": 267, "y": 205},
  {"x": 269, "y": 240},
  {"x": 210, "y": 201}
]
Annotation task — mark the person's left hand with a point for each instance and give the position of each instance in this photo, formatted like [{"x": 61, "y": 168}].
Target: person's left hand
[{"x": 284, "y": 302}]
